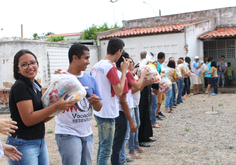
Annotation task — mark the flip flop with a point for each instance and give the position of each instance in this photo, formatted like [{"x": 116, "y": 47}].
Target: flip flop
[
  {"x": 136, "y": 156},
  {"x": 170, "y": 111},
  {"x": 140, "y": 150},
  {"x": 156, "y": 126}
]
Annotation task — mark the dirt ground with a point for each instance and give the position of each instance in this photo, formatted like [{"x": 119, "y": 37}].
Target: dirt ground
[{"x": 188, "y": 136}]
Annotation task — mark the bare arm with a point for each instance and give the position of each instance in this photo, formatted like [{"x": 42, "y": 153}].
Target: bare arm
[
  {"x": 118, "y": 88},
  {"x": 211, "y": 72},
  {"x": 138, "y": 84},
  {"x": 125, "y": 108},
  {"x": 146, "y": 82},
  {"x": 48, "y": 119},
  {"x": 31, "y": 117}
]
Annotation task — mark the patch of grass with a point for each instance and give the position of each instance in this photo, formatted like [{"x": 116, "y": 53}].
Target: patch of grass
[
  {"x": 4, "y": 140},
  {"x": 231, "y": 147},
  {"x": 96, "y": 125},
  {"x": 207, "y": 158},
  {"x": 180, "y": 151},
  {"x": 223, "y": 135},
  {"x": 220, "y": 105},
  {"x": 50, "y": 131},
  {"x": 186, "y": 129}
]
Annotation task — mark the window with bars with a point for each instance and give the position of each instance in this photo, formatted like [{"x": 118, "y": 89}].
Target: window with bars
[{"x": 218, "y": 48}]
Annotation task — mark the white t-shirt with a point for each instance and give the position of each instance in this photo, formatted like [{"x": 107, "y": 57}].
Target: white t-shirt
[
  {"x": 1, "y": 149},
  {"x": 105, "y": 73},
  {"x": 136, "y": 96},
  {"x": 78, "y": 118},
  {"x": 125, "y": 91}
]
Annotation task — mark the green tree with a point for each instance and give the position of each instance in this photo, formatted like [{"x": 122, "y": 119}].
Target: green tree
[
  {"x": 36, "y": 36},
  {"x": 56, "y": 38},
  {"x": 91, "y": 32},
  {"x": 48, "y": 33}
]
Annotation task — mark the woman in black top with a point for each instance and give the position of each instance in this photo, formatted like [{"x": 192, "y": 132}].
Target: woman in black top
[{"x": 27, "y": 110}]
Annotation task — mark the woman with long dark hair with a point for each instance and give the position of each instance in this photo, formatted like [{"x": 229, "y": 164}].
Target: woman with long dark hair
[{"x": 27, "y": 110}]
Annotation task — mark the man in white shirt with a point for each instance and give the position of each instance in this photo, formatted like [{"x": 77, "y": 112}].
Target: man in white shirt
[
  {"x": 111, "y": 86},
  {"x": 73, "y": 132},
  {"x": 196, "y": 79}
]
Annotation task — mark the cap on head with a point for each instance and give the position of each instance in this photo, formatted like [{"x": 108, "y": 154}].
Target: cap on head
[{"x": 196, "y": 57}]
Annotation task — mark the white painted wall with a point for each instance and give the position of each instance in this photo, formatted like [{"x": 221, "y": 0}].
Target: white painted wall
[
  {"x": 171, "y": 44},
  {"x": 9, "y": 49},
  {"x": 57, "y": 59}
]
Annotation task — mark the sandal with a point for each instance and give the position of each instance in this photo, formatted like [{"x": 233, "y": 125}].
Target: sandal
[
  {"x": 168, "y": 111},
  {"x": 140, "y": 150},
  {"x": 136, "y": 156},
  {"x": 156, "y": 126}
]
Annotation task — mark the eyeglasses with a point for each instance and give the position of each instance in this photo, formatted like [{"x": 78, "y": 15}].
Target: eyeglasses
[{"x": 26, "y": 66}]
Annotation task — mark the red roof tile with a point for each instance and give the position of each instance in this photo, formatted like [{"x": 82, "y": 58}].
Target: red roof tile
[
  {"x": 65, "y": 34},
  {"x": 220, "y": 33},
  {"x": 148, "y": 30}
]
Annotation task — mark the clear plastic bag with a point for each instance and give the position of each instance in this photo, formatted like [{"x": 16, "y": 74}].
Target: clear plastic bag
[
  {"x": 204, "y": 68},
  {"x": 167, "y": 83},
  {"x": 153, "y": 74},
  {"x": 59, "y": 85}
]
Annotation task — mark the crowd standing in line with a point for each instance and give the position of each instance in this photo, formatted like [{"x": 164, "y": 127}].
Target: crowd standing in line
[{"x": 126, "y": 107}]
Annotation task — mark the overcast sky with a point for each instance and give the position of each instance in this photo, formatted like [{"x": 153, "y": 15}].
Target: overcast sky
[{"x": 70, "y": 16}]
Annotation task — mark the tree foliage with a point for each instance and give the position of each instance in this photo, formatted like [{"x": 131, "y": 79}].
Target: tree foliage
[
  {"x": 36, "y": 36},
  {"x": 91, "y": 32},
  {"x": 56, "y": 38}
]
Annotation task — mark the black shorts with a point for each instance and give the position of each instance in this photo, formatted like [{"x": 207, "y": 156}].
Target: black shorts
[{"x": 210, "y": 81}]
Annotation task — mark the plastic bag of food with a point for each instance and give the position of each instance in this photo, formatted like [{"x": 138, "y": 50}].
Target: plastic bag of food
[
  {"x": 59, "y": 85},
  {"x": 153, "y": 74},
  {"x": 204, "y": 68},
  {"x": 166, "y": 82}
]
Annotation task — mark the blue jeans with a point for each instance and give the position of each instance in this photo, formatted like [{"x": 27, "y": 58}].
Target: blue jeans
[
  {"x": 214, "y": 83},
  {"x": 133, "y": 139},
  {"x": 34, "y": 152},
  {"x": 173, "y": 95},
  {"x": 75, "y": 150},
  {"x": 186, "y": 86},
  {"x": 119, "y": 137},
  {"x": 106, "y": 130},
  {"x": 153, "y": 107},
  {"x": 222, "y": 76},
  {"x": 167, "y": 100},
  {"x": 123, "y": 155},
  {"x": 180, "y": 84}
]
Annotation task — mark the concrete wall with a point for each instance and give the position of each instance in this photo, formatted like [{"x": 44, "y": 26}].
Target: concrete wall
[
  {"x": 225, "y": 17},
  {"x": 7, "y": 51},
  {"x": 51, "y": 56},
  {"x": 171, "y": 44},
  {"x": 194, "y": 46}
]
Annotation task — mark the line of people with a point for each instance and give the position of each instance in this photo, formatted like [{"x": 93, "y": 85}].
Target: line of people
[{"x": 124, "y": 105}]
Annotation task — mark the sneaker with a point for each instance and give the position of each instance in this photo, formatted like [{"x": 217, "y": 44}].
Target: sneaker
[
  {"x": 161, "y": 114},
  {"x": 158, "y": 117},
  {"x": 212, "y": 94},
  {"x": 126, "y": 163}
]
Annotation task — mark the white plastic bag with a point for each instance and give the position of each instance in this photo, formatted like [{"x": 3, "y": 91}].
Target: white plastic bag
[
  {"x": 167, "y": 83},
  {"x": 153, "y": 74},
  {"x": 59, "y": 85},
  {"x": 204, "y": 68}
]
